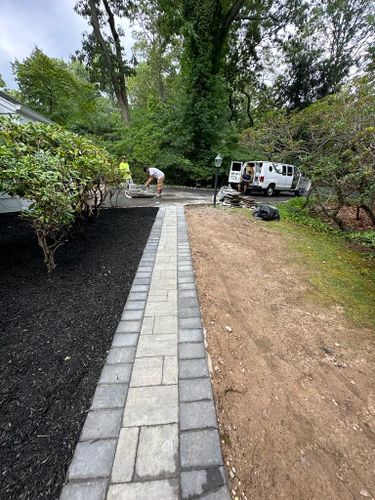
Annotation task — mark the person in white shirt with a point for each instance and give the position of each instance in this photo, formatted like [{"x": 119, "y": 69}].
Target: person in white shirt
[{"x": 155, "y": 173}]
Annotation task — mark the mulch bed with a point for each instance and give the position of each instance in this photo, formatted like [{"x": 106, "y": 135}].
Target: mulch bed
[{"x": 56, "y": 330}]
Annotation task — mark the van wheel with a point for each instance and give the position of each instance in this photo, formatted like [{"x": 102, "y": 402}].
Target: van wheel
[{"x": 270, "y": 190}]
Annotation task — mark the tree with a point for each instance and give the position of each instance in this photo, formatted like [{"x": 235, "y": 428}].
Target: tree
[
  {"x": 103, "y": 53},
  {"x": 2, "y": 83},
  {"x": 324, "y": 43},
  {"x": 52, "y": 87}
]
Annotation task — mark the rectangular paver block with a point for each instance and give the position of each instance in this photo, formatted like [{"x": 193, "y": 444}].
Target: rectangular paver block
[
  {"x": 149, "y": 490},
  {"x": 161, "y": 308},
  {"x": 220, "y": 494},
  {"x": 200, "y": 449},
  {"x": 151, "y": 406},
  {"x": 123, "y": 465},
  {"x": 148, "y": 326},
  {"x": 102, "y": 424},
  {"x": 165, "y": 324},
  {"x": 82, "y": 490},
  {"x": 121, "y": 355},
  {"x": 125, "y": 339},
  {"x": 137, "y": 296},
  {"x": 193, "y": 335},
  {"x": 132, "y": 315},
  {"x": 170, "y": 370},
  {"x": 110, "y": 396},
  {"x": 197, "y": 415},
  {"x": 190, "y": 323},
  {"x": 189, "y": 312},
  {"x": 139, "y": 288},
  {"x": 129, "y": 327},
  {"x": 163, "y": 284},
  {"x": 187, "y": 293},
  {"x": 92, "y": 459},
  {"x": 135, "y": 304},
  {"x": 195, "y": 389},
  {"x": 193, "y": 368},
  {"x": 191, "y": 350},
  {"x": 157, "y": 345},
  {"x": 116, "y": 374},
  {"x": 186, "y": 286},
  {"x": 188, "y": 302},
  {"x": 157, "y": 452},
  {"x": 198, "y": 482},
  {"x": 186, "y": 279},
  {"x": 147, "y": 371}
]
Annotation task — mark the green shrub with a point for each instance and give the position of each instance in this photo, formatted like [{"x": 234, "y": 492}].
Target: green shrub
[{"x": 62, "y": 174}]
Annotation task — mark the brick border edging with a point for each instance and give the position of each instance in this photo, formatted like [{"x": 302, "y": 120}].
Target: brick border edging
[
  {"x": 202, "y": 472},
  {"x": 92, "y": 462}
]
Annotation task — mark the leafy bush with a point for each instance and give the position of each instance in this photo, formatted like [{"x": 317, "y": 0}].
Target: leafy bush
[{"x": 61, "y": 173}]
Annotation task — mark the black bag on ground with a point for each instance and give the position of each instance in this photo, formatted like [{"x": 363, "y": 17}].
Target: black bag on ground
[{"x": 266, "y": 212}]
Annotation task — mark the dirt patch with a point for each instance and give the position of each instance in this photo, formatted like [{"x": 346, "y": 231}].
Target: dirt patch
[
  {"x": 294, "y": 383},
  {"x": 55, "y": 333}
]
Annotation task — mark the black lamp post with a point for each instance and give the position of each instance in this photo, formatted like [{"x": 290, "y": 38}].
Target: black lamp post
[{"x": 218, "y": 162}]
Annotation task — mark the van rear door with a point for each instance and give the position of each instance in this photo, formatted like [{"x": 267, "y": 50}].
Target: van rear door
[{"x": 235, "y": 172}]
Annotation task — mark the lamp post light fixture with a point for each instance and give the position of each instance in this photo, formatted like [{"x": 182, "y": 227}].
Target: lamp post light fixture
[{"x": 218, "y": 162}]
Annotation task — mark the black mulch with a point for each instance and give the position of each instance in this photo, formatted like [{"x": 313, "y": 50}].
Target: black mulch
[{"x": 55, "y": 332}]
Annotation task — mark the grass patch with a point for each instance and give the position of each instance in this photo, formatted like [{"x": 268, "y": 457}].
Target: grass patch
[{"x": 338, "y": 274}]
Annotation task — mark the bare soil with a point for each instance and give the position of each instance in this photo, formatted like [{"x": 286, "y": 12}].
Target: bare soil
[{"x": 294, "y": 383}]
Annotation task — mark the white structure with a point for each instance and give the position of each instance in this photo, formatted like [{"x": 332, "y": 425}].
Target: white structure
[
  {"x": 11, "y": 107},
  {"x": 269, "y": 177}
]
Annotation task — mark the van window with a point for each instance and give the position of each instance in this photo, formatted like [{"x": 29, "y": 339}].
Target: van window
[
  {"x": 277, "y": 168},
  {"x": 290, "y": 170},
  {"x": 236, "y": 166},
  {"x": 270, "y": 169},
  {"x": 284, "y": 169}
]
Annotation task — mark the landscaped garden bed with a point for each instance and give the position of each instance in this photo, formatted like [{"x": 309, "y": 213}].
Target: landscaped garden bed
[{"x": 56, "y": 329}]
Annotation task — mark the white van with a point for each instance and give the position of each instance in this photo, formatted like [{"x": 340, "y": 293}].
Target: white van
[{"x": 269, "y": 177}]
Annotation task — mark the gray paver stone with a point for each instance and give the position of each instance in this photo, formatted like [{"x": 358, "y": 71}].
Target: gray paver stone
[
  {"x": 157, "y": 451},
  {"x": 123, "y": 465},
  {"x": 165, "y": 324},
  {"x": 183, "y": 280},
  {"x": 151, "y": 406},
  {"x": 170, "y": 370},
  {"x": 186, "y": 286},
  {"x": 132, "y": 315},
  {"x": 110, "y": 396},
  {"x": 200, "y": 449},
  {"x": 191, "y": 350},
  {"x": 219, "y": 494},
  {"x": 102, "y": 424},
  {"x": 116, "y": 374},
  {"x": 198, "y": 482},
  {"x": 190, "y": 323},
  {"x": 137, "y": 296},
  {"x": 125, "y": 339},
  {"x": 197, "y": 415},
  {"x": 139, "y": 288},
  {"x": 194, "y": 335},
  {"x": 188, "y": 312},
  {"x": 121, "y": 355},
  {"x": 149, "y": 490},
  {"x": 92, "y": 459},
  {"x": 188, "y": 302},
  {"x": 129, "y": 327},
  {"x": 94, "y": 490},
  {"x": 157, "y": 345},
  {"x": 193, "y": 368},
  {"x": 187, "y": 293},
  {"x": 135, "y": 304},
  {"x": 147, "y": 372},
  {"x": 195, "y": 389}
]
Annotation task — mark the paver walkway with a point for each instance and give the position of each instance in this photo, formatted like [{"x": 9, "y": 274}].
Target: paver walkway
[{"x": 151, "y": 432}]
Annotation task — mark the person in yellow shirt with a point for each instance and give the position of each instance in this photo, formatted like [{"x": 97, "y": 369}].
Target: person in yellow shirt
[{"x": 125, "y": 170}]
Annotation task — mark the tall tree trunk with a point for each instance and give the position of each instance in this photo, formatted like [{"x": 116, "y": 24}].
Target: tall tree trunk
[{"x": 117, "y": 75}]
